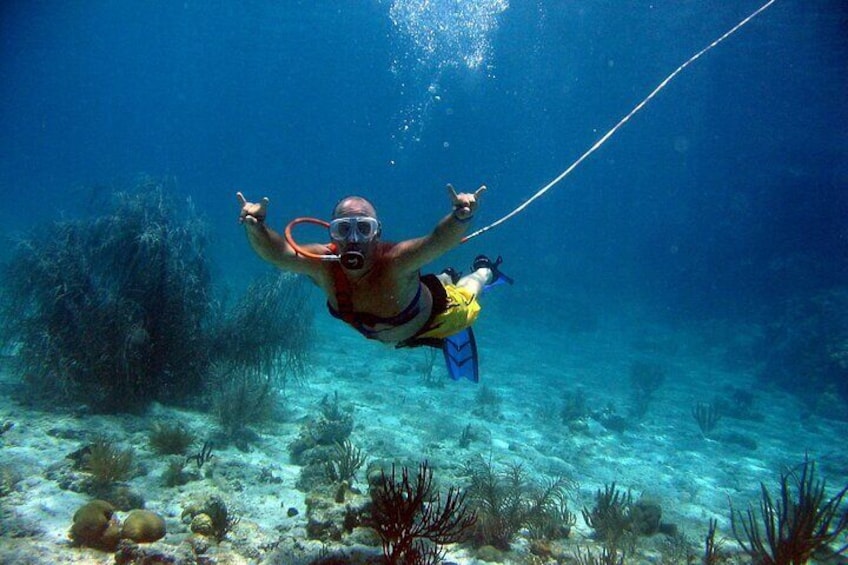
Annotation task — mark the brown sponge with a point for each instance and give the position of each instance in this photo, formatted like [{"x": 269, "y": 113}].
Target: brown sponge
[
  {"x": 95, "y": 525},
  {"x": 143, "y": 526}
]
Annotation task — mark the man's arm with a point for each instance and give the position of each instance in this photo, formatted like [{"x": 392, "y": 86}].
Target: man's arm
[
  {"x": 270, "y": 245},
  {"x": 413, "y": 254}
]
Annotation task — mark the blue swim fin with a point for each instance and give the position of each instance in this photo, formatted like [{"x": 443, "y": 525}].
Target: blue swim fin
[{"x": 461, "y": 356}]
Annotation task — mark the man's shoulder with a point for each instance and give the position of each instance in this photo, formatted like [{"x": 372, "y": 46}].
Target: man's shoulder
[{"x": 390, "y": 252}]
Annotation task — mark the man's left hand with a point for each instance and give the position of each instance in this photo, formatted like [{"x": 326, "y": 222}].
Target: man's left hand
[{"x": 465, "y": 203}]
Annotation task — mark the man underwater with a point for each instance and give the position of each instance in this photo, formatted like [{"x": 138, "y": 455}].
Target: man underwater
[{"x": 376, "y": 286}]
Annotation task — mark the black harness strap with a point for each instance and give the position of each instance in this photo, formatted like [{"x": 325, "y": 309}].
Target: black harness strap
[
  {"x": 440, "y": 304},
  {"x": 362, "y": 320}
]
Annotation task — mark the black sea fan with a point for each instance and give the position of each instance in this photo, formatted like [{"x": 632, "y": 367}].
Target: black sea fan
[
  {"x": 788, "y": 531},
  {"x": 413, "y": 521}
]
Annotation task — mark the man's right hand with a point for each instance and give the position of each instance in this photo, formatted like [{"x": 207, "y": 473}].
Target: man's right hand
[{"x": 251, "y": 213}]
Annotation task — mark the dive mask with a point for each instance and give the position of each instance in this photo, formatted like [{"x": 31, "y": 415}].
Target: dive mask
[{"x": 354, "y": 228}]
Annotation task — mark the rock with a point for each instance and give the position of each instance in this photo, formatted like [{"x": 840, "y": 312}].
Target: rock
[
  {"x": 328, "y": 520},
  {"x": 490, "y": 554},
  {"x": 129, "y": 553}
]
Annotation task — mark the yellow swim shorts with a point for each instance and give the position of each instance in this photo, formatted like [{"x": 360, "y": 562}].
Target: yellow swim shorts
[{"x": 460, "y": 312}]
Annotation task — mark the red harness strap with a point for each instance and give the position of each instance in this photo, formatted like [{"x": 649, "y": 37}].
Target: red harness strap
[{"x": 341, "y": 286}]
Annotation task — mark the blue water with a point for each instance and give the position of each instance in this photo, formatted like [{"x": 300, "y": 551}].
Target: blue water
[
  {"x": 709, "y": 235},
  {"x": 725, "y": 196}
]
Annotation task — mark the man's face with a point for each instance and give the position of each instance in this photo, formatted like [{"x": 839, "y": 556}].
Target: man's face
[{"x": 357, "y": 228}]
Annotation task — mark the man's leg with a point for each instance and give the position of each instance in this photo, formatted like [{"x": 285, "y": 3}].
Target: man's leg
[{"x": 476, "y": 280}]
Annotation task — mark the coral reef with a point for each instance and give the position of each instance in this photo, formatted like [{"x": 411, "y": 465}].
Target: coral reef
[
  {"x": 331, "y": 516},
  {"x": 130, "y": 553}
]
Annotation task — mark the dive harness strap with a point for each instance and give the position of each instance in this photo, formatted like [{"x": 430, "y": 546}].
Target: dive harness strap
[{"x": 360, "y": 320}]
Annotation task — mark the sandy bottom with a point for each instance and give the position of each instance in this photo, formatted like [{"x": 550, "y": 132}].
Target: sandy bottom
[{"x": 516, "y": 413}]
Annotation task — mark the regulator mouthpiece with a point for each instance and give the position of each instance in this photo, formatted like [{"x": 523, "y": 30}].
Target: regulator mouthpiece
[{"x": 353, "y": 260}]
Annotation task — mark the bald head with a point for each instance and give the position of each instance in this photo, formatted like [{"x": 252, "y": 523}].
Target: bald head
[{"x": 354, "y": 206}]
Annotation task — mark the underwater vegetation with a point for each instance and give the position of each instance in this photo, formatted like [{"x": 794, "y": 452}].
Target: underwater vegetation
[
  {"x": 506, "y": 501},
  {"x": 487, "y": 403},
  {"x": 618, "y": 521},
  {"x": 176, "y": 473},
  {"x": 211, "y": 518},
  {"x": 807, "y": 352},
  {"x": 9, "y": 478},
  {"x": 803, "y": 520},
  {"x": 115, "y": 311},
  {"x": 323, "y": 447},
  {"x": 732, "y": 403},
  {"x": 578, "y": 408},
  {"x": 170, "y": 439},
  {"x": 412, "y": 519},
  {"x": 203, "y": 456},
  {"x": 706, "y": 415},
  {"x": 428, "y": 375},
  {"x": 248, "y": 367},
  {"x": 575, "y": 406},
  {"x": 610, "y": 518},
  {"x": 107, "y": 463},
  {"x": 607, "y": 556},
  {"x": 343, "y": 463},
  {"x": 713, "y": 552},
  {"x": 646, "y": 377},
  {"x": 107, "y": 310}
]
